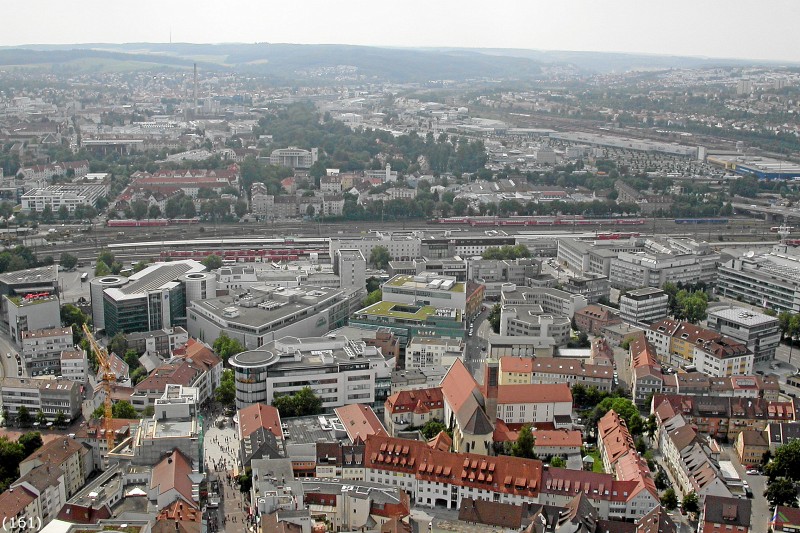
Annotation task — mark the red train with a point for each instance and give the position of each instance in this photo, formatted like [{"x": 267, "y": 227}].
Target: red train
[
  {"x": 561, "y": 220},
  {"x": 148, "y": 222}
]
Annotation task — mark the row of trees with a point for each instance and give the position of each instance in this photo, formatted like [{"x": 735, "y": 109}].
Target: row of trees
[
  {"x": 689, "y": 303},
  {"x": 507, "y": 252},
  {"x": 25, "y": 418}
]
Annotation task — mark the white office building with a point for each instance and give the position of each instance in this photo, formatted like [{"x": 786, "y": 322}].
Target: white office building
[
  {"x": 644, "y": 305},
  {"x": 758, "y": 331}
]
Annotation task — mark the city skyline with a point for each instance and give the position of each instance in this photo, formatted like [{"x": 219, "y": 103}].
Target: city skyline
[{"x": 713, "y": 29}]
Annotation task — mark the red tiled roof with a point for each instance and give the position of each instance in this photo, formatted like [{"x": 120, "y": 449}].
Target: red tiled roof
[
  {"x": 410, "y": 400},
  {"x": 259, "y": 415},
  {"x": 558, "y": 437},
  {"x": 173, "y": 473},
  {"x": 521, "y": 365},
  {"x": 458, "y": 385},
  {"x": 506, "y": 474},
  {"x": 14, "y": 502},
  {"x": 359, "y": 421}
]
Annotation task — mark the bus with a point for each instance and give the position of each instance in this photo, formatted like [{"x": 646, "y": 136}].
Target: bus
[{"x": 84, "y": 277}]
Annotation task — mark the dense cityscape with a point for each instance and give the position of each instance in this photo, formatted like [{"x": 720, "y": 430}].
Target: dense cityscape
[{"x": 516, "y": 296}]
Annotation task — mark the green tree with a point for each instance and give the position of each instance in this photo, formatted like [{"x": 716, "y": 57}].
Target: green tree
[
  {"x": 432, "y": 428},
  {"x": 154, "y": 211},
  {"x": 73, "y": 317},
  {"x": 373, "y": 284},
  {"x": 302, "y": 403},
  {"x": 139, "y": 209},
  {"x": 131, "y": 357},
  {"x": 118, "y": 344},
  {"x": 379, "y": 257},
  {"x": 123, "y": 409},
  {"x": 661, "y": 480},
  {"x": 47, "y": 214},
  {"x": 690, "y": 503},
  {"x": 60, "y": 420},
  {"x": 781, "y": 491},
  {"x": 624, "y": 408},
  {"x": 102, "y": 269},
  {"x": 63, "y": 213},
  {"x": 245, "y": 481},
  {"x": 558, "y": 462},
  {"x": 106, "y": 257},
  {"x": 11, "y": 455},
  {"x": 692, "y": 306},
  {"x": 30, "y": 441},
  {"x": 24, "y": 418},
  {"x": 149, "y": 411},
  {"x": 494, "y": 318},
  {"x": 212, "y": 262},
  {"x": 227, "y": 347},
  {"x": 67, "y": 261},
  {"x": 226, "y": 392},
  {"x": 41, "y": 418},
  {"x": 785, "y": 462},
  {"x": 373, "y": 298},
  {"x": 669, "y": 499},
  {"x": 524, "y": 445}
]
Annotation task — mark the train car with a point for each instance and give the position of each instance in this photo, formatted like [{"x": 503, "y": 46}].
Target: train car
[
  {"x": 792, "y": 242},
  {"x": 776, "y": 229},
  {"x": 182, "y": 221},
  {"x": 630, "y": 221}
]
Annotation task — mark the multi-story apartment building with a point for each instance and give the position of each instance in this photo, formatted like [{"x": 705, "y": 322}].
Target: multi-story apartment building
[
  {"x": 681, "y": 343},
  {"x": 593, "y": 318},
  {"x": 529, "y": 403},
  {"x": 724, "y": 417},
  {"x": 338, "y": 370},
  {"x": 439, "y": 478},
  {"x": 42, "y": 348},
  {"x": 758, "y": 331},
  {"x": 430, "y": 351},
  {"x": 73, "y": 458},
  {"x": 643, "y": 306},
  {"x": 160, "y": 341},
  {"x": 51, "y": 396},
  {"x": 547, "y": 370},
  {"x": 75, "y": 365}
]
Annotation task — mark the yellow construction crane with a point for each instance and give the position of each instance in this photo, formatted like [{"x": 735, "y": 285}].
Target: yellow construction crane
[{"x": 108, "y": 377}]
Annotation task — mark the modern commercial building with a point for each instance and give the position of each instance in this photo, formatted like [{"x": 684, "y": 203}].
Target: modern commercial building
[
  {"x": 338, "y": 370},
  {"x": 33, "y": 311},
  {"x": 293, "y": 157},
  {"x": 426, "y": 289},
  {"x": 643, "y": 306},
  {"x": 42, "y": 348},
  {"x": 770, "y": 280},
  {"x": 593, "y": 287},
  {"x": 552, "y": 301},
  {"x": 351, "y": 267},
  {"x": 401, "y": 246},
  {"x": 582, "y": 257},
  {"x": 634, "y": 270},
  {"x": 154, "y": 298},
  {"x": 531, "y": 321},
  {"x": 407, "y": 321},
  {"x": 759, "y": 332},
  {"x": 51, "y": 396},
  {"x": 266, "y": 313},
  {"x": 57, "y": 196},
  {"x": 446, "y": 267},
  {"x": 493, "y": 273}
]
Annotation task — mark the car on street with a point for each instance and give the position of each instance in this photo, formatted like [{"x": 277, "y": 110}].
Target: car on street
[{"x": 754, "y": 472}]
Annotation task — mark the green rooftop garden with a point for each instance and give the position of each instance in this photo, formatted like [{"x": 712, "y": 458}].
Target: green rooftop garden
[{"x": 393, "y": 309}]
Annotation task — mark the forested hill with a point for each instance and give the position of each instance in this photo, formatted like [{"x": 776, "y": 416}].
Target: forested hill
[{"x": 283, "y": 61}]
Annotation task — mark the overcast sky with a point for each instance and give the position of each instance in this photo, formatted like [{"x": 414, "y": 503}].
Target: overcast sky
[{"x": 753, "y": 29}]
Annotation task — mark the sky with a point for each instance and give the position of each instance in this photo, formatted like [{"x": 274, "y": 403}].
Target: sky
[{"x": 747, "y": 29}]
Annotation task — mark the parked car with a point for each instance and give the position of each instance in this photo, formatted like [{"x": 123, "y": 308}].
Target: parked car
[{"x": 754, "y": 472}]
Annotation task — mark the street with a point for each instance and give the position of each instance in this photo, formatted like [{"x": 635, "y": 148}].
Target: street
[{"x": 221, "y": 455}]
